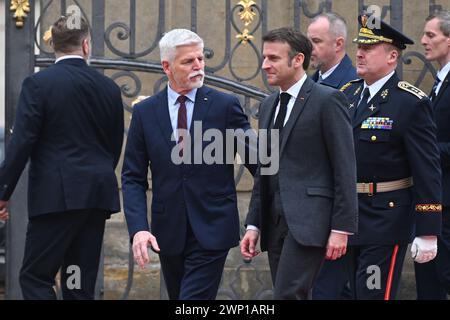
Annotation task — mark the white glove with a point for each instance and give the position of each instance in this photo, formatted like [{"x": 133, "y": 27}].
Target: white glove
[{"x": 424, "y": 249}]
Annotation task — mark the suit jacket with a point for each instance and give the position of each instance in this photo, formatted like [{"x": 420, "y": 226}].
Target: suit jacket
[
  {"x": 317, "y": 172},
  {"x": 441, "y": 106},
  {"x": 344, "y": 73},
  {"x": 202, "y": 195},
  {"x": 70, "y": 124},
  {"x": 395, "y": 138}
]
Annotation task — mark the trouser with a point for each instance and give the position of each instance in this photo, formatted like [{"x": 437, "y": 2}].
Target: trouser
[{"x": 68, "y": 241}]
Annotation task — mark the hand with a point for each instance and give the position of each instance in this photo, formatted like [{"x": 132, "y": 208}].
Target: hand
[
  {"x": 4, "y": 214},
  {"x": 337, "y": 246},
  {"x": 424, "y": 249},
  {"x": 248, "y": 244},
  {"x": 140, "y": 247}
]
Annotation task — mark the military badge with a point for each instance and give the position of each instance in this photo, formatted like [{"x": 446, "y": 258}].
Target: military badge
[{"x": 377, "y": 123}]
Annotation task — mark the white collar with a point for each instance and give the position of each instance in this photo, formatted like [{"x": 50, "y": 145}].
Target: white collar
[
  {"x": 295, "y": 89},
  {"x": 73, "y": 56},
  {"x": 442, "y": 74},
  {"x": 173, "y": 95},
  {"x": 328, "y": 72},
  {"x": 376, "y": 86}
]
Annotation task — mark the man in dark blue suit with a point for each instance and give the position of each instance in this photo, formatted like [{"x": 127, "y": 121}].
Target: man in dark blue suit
[
  {"x": 328, "y": 34},
  {"x": 69, "y": 123},
  {"x": 194, "y": 215},
  {"x": 433, "y": 278}
]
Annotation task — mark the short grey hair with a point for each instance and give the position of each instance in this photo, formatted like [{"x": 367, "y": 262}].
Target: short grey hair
[
  {"x": 338, "y": 25},
  {"x": 444, "y": 21},
  {"x": 177, "y": 38}
]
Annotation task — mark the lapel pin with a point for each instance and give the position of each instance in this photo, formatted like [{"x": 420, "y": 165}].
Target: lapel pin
[
  {"x": 385, "y": 93},
  {"x": 352, "y": 106},
  {"x": 372, "y": 108}
]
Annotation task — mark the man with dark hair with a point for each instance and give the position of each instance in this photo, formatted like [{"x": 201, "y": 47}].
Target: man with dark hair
[
  {"x": 328, "y": 34},
  {"x": 433, "y": 278},
  {"x": 69, "y": 123},
  {"x": 398, "y": 169},
  {"x": 306, "y": 210}
]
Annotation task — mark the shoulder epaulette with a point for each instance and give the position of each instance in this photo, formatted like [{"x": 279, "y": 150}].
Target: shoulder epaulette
[
  {"x": 411, "y": 89},
  {"x": 345, "y": 86}
]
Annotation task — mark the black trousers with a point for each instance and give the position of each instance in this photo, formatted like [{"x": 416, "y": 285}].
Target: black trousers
[
  {"x": 375, "y": 271},
  {"x": 69, "y": 242},
  {"x": 293, "y": 266},
  {"x": 433, "y": 278},
  {"x": 195, "y": 273}
]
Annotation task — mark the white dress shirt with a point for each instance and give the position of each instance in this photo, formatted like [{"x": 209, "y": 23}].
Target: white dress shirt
[{"x": 442, "y": 74}]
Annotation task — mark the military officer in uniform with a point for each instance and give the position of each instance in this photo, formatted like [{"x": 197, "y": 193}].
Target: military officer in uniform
[{"x": 398, "y": 167}]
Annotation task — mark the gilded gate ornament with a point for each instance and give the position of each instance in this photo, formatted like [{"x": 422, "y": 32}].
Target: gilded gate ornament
[
  {"x": 247, "y": 15},
  {"x": 21, "y": 8}
]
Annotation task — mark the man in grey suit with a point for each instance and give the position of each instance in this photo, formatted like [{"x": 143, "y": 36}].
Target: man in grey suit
[{"x": 306, "y": 210}]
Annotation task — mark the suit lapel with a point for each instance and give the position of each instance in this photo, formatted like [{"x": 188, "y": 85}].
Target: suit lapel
[
  {"x": 380, "y": 98},
  {"x": 444, "y": 87},
  {"x": 268, "y": 110},
  {"x": 354, "y": 101},
  {"x": 162, "y": 112},
  {"x": 201, "y": 107},
  {"x": 298, "y": 108}
]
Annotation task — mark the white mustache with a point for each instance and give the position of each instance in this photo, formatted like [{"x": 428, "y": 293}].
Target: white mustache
[{"x": 197, "y": 73}]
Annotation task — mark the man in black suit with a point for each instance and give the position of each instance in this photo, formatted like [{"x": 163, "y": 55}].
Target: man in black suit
[
  {"x": 69, "y": 123},
  {"x": 433, "y": 278},
  {"x": 328, "y": 34},
  {"x": 194, "y": 214},
  {"x": 306, "y": 210}
]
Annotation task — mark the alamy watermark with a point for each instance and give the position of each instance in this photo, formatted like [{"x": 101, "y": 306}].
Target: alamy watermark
[
  {"x": 73, "y": 281},
  {"x": 212, "y": 146}
]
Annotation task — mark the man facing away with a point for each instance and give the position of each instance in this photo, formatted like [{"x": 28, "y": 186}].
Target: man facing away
[
  {"x": 433, "y": 278},
  {"x": 70, "y": 125},
  {"x": 306, "y": 210},
  {"x": 328, "y": 34},
  {"x": 194, "y": 215},
  {"x": 398, "y": 169}
]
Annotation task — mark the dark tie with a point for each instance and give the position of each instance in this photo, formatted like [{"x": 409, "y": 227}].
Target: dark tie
[
  {"x": 182, "y": 120},
  {"x": 433, "y": 91},
  {"x": 284, "y": 100},
  {"x": 363, "y": 103},
  {"x": 320, "y": 80}
]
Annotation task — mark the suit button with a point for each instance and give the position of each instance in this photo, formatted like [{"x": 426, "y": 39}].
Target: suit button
[
  {"x": 391, "y": 204},
  {"x": 374, "y": 138}
]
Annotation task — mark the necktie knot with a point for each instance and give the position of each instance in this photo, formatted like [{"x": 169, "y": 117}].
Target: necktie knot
[
  {"x": 366, "y": 95},
  {"x": 435, "y": 86},
  {"x": 436, "y": 83},
  {"x": 284, "y": 99},
  {"x": 182, "y": 99}
]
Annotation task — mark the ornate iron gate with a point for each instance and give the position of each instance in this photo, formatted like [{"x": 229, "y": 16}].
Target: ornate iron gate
[{"x": 127, "y": 55}]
